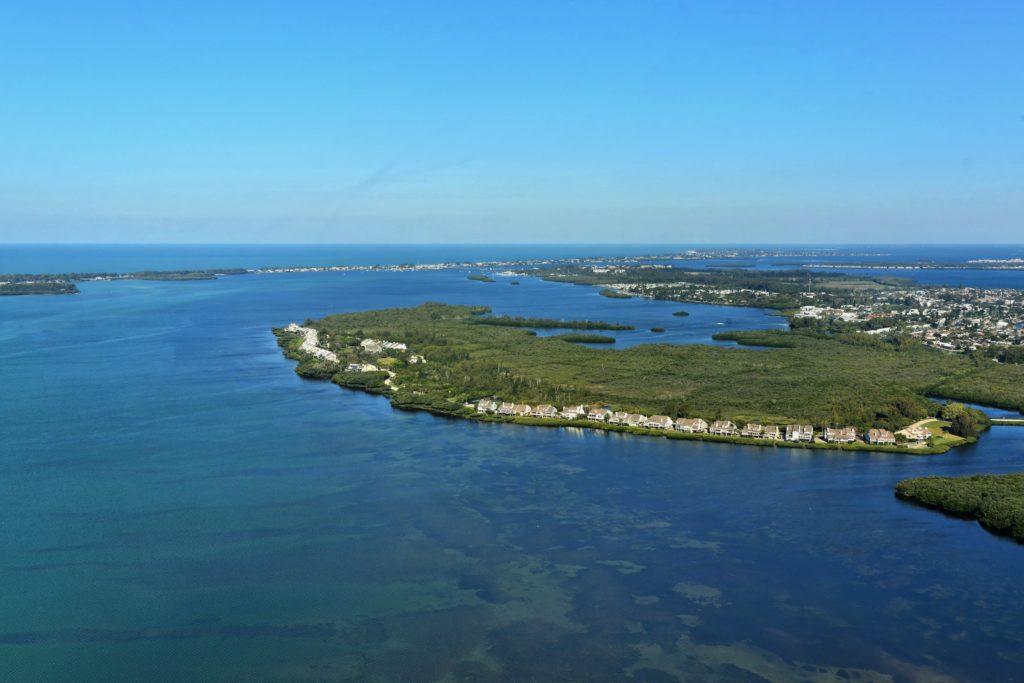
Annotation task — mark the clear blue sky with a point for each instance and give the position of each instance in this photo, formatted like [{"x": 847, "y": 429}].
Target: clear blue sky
[{"x": 570, "y": 121}]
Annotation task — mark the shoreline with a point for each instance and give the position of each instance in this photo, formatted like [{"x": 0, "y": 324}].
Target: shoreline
[
  {"x": 471, "y": 414},
  {"x": 583, "y": 423}
]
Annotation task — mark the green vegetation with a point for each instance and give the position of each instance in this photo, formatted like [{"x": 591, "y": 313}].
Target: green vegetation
[
  {"x": 657, "y": 329},
  {"x": 800, "y": 378},
  {"x": 15, "y": 288},
  {"x": 1004, "y": 354},
  {"x": 614, "y": 294},
  {"x": 681, "y": 314},
  {"x": 480, "y": 278},
  {"x": 996, "y": 501},
  {"x": 585, "y": 338},
  {"x": 548, "y": 323},
  {"x": 963, "y": 421}
]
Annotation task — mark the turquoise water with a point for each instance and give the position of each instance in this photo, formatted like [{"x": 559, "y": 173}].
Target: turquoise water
[{"x": 178, "y": 505}]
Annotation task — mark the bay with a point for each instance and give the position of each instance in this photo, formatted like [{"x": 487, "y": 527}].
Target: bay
[{"x": 178, "y": 505}]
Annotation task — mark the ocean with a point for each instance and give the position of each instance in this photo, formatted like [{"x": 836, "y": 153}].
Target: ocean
[{"x": 179, "y": 505}]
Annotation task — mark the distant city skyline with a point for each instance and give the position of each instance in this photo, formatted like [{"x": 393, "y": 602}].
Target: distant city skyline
[{"x": 450, "y": 122}]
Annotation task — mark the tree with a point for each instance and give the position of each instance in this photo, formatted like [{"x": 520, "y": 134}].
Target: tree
[{"x": 964, "y": 424}]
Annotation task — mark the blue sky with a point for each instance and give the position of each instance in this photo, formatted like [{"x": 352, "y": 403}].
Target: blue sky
[{"x": 571, "y": 121}]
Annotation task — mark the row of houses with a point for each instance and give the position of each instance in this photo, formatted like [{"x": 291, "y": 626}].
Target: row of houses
[{"x": 695, "y": 425}]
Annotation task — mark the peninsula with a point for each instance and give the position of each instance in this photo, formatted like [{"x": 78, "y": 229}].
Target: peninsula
[{"x": 804, "y": 390}]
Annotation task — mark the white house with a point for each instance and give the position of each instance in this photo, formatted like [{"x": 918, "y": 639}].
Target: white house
[
  {"x": 880, "y": 437},
  {"x": 507, "y": 408},
  {"x": 658, "y": 422},
  {"x": 618, "y": 417},
  {"x": 723, "y": 428},
  {"x": 573, "y": 412},
  {"x": 544, "y": 410},
  {"x": 693, "y": 425},
  {"x": 636, "y": 419},
  {"x": 843, "y": 435},
  {"x": 799, "y": 433},
  {"x": 521, "y": 410},
  {"x": 752, "y": 429},
  {"x": 917, "y": 435},
  {"x": 599, "y": 415}
]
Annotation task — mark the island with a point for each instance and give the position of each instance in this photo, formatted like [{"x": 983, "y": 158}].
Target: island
[
  {"x": 995, "y": 500},
  {"x": 64, "y": 283},
  {"x": 794, "y": 389},
  {"x": 20, "y": 285}
]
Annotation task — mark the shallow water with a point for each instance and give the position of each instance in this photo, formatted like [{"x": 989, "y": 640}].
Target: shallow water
[{"x": 179, "y": 505}]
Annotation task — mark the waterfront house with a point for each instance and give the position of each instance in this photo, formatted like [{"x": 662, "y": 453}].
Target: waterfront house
[
  {"x": 618, "y": 418},
  {"x": 771, "y": 432},
  {"x": 521, "y": 410},
  {"x": 723, "y": 428},
  {"x": 752, "y": 429},
  {"x": 507, "y": 408},
  {"x": 636, "y": 420},
  {"x": 486, "y": 405},
  {"x": 692, "y": 425},
  {"x": 800, "y": 433},
  {"x": 917, "y": 435},
  {"x": 880, "y": 437},
  {"x": 843, "y": 435},
  {"x": 599, "y": 415},
  {"x": 544, "y": 410},
  {"x": 659, "y": 422},
  {"x": 573, "y": 412}
]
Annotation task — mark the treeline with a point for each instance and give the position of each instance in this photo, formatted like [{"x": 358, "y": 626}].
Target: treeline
[
  {"x": 996, "y": 501},
  {"x": 1004, "y": 354},
  {"x": 585, "y": 338}
]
